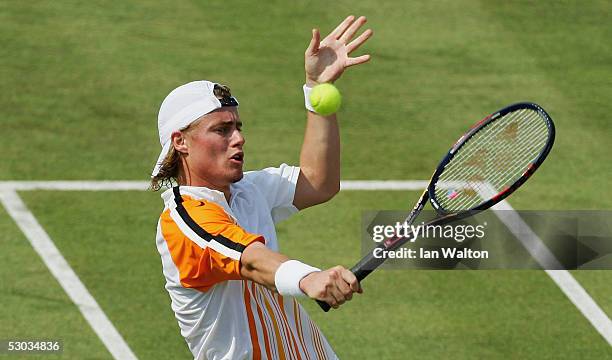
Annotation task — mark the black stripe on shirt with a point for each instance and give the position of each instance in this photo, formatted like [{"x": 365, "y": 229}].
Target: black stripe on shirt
[{"x": 205, "y": 235}]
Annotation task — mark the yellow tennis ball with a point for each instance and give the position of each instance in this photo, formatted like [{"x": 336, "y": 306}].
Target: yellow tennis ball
[{"x": 325, "y": 99}]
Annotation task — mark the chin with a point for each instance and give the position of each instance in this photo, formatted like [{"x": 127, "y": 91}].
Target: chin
[{"x": 237, "y": 177}]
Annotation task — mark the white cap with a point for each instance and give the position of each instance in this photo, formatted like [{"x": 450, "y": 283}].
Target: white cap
[{"x": 181, "y": 107}]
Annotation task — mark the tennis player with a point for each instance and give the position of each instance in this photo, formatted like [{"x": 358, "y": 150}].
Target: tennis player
[{"x": 232, "y": 292}]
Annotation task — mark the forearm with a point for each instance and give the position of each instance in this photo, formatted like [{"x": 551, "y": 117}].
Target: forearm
[
  {"x": 334, "y": 286},
  {"x": 259, "y": 264},
  {"x": 320, "y": 158}
]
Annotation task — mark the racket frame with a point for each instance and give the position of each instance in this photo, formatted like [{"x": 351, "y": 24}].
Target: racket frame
[
  {"x": 369, "y": 263},
  {"x": 504, "y": 193}
]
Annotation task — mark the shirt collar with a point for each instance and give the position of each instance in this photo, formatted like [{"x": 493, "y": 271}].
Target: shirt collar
[{"x": 204, "y": 193}]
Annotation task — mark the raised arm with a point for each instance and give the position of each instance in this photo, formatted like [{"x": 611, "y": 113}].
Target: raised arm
[{"x": 325, "y": 61}]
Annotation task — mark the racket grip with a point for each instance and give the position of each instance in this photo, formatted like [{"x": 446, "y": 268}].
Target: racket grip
[
  {"x": 360, "y": 273},
  {"x": 324, "y": 306},
  {"x": 362, "y": 269},
  {"x": 366, "y": 265}
]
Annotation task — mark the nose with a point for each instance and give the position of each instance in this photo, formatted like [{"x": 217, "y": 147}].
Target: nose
[{"x": 238, "y": 139}]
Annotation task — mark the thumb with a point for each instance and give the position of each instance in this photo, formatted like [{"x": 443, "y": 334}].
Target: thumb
[{"x": 313, "y": 47}]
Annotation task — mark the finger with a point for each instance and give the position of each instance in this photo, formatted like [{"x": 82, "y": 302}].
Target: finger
[
  {"x": 344, "y": 288},
  {"x": 351, "y": 280},
  {"x": 358, "y": 60},
  {"x": 338, "y": 296},
  {"x": 348, "y": 35},
  {"x": 341, "y": 28},
  {"x": 313, "y": 47},
  {"x": 355, "y": 44},
  {"x": 333, "y": 299}
]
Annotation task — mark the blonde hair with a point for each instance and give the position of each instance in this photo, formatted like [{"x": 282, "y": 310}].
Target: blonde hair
[{"x": 171, "y": 168}]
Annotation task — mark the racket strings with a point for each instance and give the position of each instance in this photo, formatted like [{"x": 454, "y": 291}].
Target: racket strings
[
  {"x": 516, "y": 169},
  {"x": 509, "y": 164},
  {"x": 487, "y": 136},
  {"x": 473, "y": 188},
  {"x": 493, "y": 159},
  {"x": 482, "y": 186},
  {"x": 482, "y": 137},
  {"x": 459, "y": 172}
]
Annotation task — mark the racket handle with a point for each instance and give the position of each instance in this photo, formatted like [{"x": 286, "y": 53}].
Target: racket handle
[
  {"x": 362, "y": 269},
  {"x": 324, "y": 306},
  {"x": 366, "y": 265},
  {"x": 360, "y": 273}
]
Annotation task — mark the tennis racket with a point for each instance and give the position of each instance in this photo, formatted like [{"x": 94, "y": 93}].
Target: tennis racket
[{"x": 487, "y": 164}]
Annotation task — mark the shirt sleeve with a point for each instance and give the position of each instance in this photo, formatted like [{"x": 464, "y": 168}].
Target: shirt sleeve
[
  {"x": 205, "y": 244},
  {"x": 278, "y": 186}
]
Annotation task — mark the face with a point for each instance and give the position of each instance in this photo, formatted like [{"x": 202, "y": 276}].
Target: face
[{"x": 213, "y": 147}]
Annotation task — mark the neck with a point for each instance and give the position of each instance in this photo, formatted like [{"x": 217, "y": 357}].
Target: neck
[{"x": 190, "y": 179}]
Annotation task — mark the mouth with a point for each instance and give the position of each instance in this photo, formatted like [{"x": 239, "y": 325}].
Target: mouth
[{"x": 237, "y": 158}]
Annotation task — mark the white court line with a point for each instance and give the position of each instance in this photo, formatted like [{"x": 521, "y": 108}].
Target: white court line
[
  {"x": 383, "y": 185},
  {"x": 566, "y": 282},
  {"x": 563, "y": 278},
  {"x": 74, "y": 185},
  {"x": 547, "y": 260},
  {"x": 51, "y": 256},
  {"x": 144, "y": 185}
]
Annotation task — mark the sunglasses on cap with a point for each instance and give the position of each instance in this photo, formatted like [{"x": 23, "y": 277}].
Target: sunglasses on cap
[{"x": 228, "y": 101}]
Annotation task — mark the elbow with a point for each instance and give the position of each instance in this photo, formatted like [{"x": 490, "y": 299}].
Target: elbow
[
  {"x": 313, "y": 189},
  {"x": 334, "y": 190},
  {"x": 329, "y": 192}
]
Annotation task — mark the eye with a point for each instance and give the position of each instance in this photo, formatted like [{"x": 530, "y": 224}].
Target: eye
[{"x": 221, "y": 130}]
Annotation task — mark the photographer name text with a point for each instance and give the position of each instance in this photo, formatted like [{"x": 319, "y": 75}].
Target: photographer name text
[{"x": 422, "y": 253}]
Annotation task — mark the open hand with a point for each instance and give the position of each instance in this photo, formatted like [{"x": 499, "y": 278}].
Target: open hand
[{"x": 326, "y": 60}]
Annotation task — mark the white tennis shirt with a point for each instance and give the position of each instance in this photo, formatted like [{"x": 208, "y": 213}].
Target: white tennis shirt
[{"x": 200, "y": 238}]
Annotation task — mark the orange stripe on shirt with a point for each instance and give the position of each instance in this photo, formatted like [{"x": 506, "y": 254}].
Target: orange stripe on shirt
[
  {"x": 251, "y": 320},
  {"x": 279, "y": 340},
  {"x": 298, "y": 325},
  {"x": 320, "y": 338},
  {"x": 201, "y": 268},
  {"x": 286, "y": 322},
  {"x": 261, "y": 321},
  {"x": 283, "y": 326},
  {"x": 268, "y": 318},
  {"x": 213, "y": 219},
  {"x": 316, "y": 340}
]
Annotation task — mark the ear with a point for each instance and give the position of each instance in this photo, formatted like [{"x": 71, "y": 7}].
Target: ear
[{"x": 179, "y": 142}]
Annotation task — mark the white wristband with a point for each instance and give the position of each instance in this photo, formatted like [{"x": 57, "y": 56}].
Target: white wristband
[
  {"x": 307, "y": 103},
  {"x": 288, "y": 275}
]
